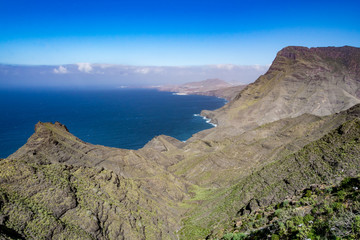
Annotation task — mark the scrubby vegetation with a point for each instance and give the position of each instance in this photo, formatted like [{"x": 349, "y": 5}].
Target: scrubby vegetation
[
  {"x": 325, "y": 161},
  {"x": 320, "y": 212}
]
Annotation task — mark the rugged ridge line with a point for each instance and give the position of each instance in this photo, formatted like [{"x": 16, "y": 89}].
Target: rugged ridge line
[{"x": 319, "y": 81}]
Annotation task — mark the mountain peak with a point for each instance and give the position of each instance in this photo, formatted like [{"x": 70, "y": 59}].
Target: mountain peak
[
  {"x": 347, "y": 56},
  {"x": 319, "y": 81},
  {"x": 57, "y": 124}
]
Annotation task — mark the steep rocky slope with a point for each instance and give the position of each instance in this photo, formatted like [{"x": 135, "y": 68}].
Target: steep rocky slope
[
  {"x": 319, "y": 81},
  {"x": 274, "y": 140}
]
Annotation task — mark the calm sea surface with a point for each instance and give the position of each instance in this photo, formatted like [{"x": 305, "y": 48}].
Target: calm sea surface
[{"x": 124, "y": 118}]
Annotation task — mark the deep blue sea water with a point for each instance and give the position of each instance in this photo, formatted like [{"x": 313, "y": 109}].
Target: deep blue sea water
[{"x": 124, "y": 118}]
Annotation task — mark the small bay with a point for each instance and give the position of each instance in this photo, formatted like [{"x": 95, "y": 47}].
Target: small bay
[{"x": 123, "y": 118}]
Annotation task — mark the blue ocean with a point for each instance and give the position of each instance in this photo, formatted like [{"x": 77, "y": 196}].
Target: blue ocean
[{"x": 123, "y": 118}]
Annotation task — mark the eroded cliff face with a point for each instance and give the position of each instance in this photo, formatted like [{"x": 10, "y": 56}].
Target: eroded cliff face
[
  {"x": 268, "y": 147},
  {"x": 319, "y": 81}
]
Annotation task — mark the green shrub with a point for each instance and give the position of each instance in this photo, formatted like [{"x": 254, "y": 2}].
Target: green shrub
[
  {"x": 228, "y": 236},
  {"x": 282, "y": 229},
  {"x": 234, "y": 236},
  {"x": 337, "y": 206},
  {"x": 341, "y": 195},
  {"x": 275, "y": 237},
  {"x": 290, "y": 224},
  {"x": 240, "y": 236},
  {"x": 286, "y": 203},
  {"x": 356, "y": 224},
  {"x": 308, "y": 193},
  {"x": 315, "y": 210},
  {"x": 297, "y": 220},
  {"x": 328, "y": 209},
  {"x": 278, "y": 213},
  {"x": 307, "y": 218}
]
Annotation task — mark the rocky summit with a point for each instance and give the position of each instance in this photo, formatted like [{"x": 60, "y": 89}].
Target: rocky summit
[
  {"x": 319, "y": 81},
  {"x": 296, "y": 128}
]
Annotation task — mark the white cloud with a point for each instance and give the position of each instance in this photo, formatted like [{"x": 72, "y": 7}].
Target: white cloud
[
  {"x": 143, "y": 70},
  {"x": 147, "y": 70},
  {"x": 84, "y": 67},
  {"x": 60, "y": 70},
  {"x": 260, "y": 67},
  {"x": 225, "y": 66},
  {"x": 105, "y": 66}
]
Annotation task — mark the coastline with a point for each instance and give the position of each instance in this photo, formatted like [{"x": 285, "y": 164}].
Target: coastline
[
  {"x": 207, "y": 118},
  {"x": 116, "y": 132},
  {"x": 180, "y": 93}
]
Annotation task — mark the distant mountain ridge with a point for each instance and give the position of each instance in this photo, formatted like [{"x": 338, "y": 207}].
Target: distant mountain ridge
[
  {"x": 194, "y": 87},
  {"x": 209, "y": 87}
]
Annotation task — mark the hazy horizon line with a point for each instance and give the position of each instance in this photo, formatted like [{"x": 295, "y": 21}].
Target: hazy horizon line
[{"x": 132, "y": 65}]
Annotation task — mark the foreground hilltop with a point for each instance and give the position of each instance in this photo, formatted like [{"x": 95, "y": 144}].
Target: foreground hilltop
[{"x": 296, "y": 126}]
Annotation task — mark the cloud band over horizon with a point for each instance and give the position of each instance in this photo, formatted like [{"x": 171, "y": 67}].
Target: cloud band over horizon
[{"x": 112, "y": 75}]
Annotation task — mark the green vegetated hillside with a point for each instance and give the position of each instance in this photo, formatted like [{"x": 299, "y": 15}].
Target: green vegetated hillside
[
  {"x": 325, "y": 161},
  {"x": 318, "y": 212},
  {"x": 58, "y": 187},
  {"x": 296, "y": 129}
]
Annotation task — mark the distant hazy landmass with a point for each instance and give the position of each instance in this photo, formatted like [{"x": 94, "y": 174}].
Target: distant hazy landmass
[
  {"x": 209, "y": 87},
  {"x": 120, "y": 76}
]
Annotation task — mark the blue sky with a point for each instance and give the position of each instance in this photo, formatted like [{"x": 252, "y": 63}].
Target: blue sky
[{"x": 170, "y": 33}]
